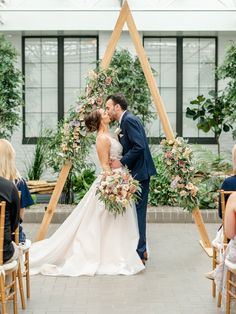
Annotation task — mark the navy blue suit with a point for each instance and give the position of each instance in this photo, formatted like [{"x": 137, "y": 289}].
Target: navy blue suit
[
  {"x": 138, "y": 159},
  {"x": 229, "y": 184}
]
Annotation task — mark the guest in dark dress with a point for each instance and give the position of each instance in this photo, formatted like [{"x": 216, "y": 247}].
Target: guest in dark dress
[
  {"x": 9, "y": 171},
  {"x": 229, "y": 183},
  {"x": 9, "y": 194}
]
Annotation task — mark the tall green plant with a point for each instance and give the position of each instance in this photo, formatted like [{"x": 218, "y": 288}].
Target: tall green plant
[
  {"x": 218, "y": 112},
  {"x": 40, "y": 156},
  {"x": 132, "y": 83},
  {"x": 227, "y": 71},
  {"x": 213, "y": 114},
  {"x": 10, "y": 89}
]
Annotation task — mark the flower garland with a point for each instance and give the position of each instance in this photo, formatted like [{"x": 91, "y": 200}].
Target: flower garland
[
  {"x": 179, "y": 168},
  {"x": 72, "y": 141}
]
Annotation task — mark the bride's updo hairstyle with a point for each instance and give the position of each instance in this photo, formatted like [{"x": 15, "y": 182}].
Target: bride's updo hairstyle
[{"x": 92, "y": 120}]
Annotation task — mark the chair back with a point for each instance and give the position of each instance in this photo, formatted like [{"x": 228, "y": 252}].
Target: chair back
[
  {"x": 223, "y": 195},
  {"x": 2, "y": 225},
  {"x": 16, "y": 238}
]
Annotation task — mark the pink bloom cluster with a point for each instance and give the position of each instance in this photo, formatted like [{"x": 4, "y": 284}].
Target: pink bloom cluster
[
  {"x": 177, "y": 155},
  {"x": 117, "y": 190},
  {"x": 73, "y": 132}
]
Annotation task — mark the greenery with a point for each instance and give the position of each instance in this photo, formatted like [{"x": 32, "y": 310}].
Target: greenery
[
  {"x": 71, "y": 142},
  {"x": 36, "y": 166},
  {"x": 213, "y": 114},
  {"x": 210, "y": 172},
  {"x": 82, "y": 182},
  {"x": 217, "y": 112},
  {"x": 179, "y": 169},
  {"x": 10, "y": 89},
  {"x": 161, "y": 192},
  {"x": 208, "y": 192},
  {"x": 132, "y": 83},
  {"x": 227, "y": 72}
]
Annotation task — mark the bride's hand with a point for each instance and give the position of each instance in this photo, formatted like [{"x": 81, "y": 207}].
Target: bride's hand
[{"x": 114, "y": 164}]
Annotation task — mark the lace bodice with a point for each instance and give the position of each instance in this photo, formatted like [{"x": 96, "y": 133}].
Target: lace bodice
[{"x": 116, "y": 149}]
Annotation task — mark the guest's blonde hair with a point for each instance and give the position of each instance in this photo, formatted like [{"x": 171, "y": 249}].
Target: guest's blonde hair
[
  {"x": 7, "y": 161},
  {"x": 234, "y": 159}
]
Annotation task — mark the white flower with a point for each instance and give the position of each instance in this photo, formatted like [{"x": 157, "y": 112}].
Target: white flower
[{"x": 117, "y": 131}]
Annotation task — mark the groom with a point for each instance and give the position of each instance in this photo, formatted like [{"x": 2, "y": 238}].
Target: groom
[{"x": 136, "y": 156}]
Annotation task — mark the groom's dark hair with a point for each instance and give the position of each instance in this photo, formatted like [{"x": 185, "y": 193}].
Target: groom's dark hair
[{"x": 119, "y": 99}]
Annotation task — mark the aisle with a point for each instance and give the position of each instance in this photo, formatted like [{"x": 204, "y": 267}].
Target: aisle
[{"x": 173, "y": 282}]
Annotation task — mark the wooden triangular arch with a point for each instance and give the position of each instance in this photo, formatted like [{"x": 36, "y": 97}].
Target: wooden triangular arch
[{"x": 125, "y": 16}]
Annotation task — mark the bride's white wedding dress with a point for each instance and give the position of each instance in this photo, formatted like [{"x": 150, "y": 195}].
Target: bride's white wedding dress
[{"x": 91, "y": 240}]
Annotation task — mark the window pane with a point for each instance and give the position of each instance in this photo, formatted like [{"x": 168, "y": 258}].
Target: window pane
[
  {"x": 207, "y": 75},
  {"x": 198, "y": 77},
  {"x": 153, "y": 128},
  {"x": 80, "y": 50},
  {"x": 72, "y": 75},
  {"x": 32, "y": 75},
  {"x": 190, "y": 75},
  {"x": 49, "y": 120},
  {"x": 189, "y": 94},
  {"x": 41, "y": 72},
  {"x": 41, "y": 78},
  {"x": 189, "y": 127},
  {"x": 190, "y": 50},
  {"x": 71, "y": 95},
  {"x": 32, "y": 50},
  {"x": 162, "y": 53},
  {"x": 49, "y": 75},
  {"x": 49, "y": 50},
  {"x": 33, "y": 100},
  {"x": 169, "y": 98},
  {"x": 152, "y": 47},
  {"x": 168, "y": 50},
  {"x": 80, "y": 55},
  {"x": 168, "y": 75},
  {"x": 49, "y": 100},
  {"x": 207, "y": 50},
  {"x": 32, "y": 124}
]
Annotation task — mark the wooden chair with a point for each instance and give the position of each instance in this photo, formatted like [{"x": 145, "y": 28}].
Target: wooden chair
[
  {"x": 230, "y": 288},
  {"x": 25, "y": 252},
  {"x": 216, "y": 250},
  {"x": 8, "y": 291},
  {"x": 19, "y": 271}
]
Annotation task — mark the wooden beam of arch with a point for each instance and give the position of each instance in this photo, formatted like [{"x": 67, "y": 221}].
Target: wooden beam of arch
[{"x": 125, "y": 16}]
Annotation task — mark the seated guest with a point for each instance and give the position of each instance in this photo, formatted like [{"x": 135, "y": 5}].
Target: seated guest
[
  {"x": 9, "y": 194},
  {"x": 9, "y": 171},
  {"x": 229, "y": 257},
  {"x": 229, "y": 183}
]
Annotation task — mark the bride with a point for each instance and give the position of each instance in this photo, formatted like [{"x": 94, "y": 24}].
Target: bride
[{"x": 91, "y": 240}]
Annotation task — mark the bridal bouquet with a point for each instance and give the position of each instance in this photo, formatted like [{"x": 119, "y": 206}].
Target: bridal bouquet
[{"x": 117, "y": 190}]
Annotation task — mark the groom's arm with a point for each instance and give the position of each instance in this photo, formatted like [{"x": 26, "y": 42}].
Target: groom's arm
[{"x": 133, "y": 131}]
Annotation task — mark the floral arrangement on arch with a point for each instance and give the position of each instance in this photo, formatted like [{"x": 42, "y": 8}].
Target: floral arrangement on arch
[
  {"x": 177, "y": 156},
  {"x": 72, "y": 139}
]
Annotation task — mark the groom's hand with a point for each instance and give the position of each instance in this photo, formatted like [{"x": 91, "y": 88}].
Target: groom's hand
[{"x": 114, "y": 164}]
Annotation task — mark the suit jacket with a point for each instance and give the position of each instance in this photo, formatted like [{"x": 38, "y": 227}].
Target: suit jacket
[
  {"x": 136, "y": 153},
  {"x": 229, "y": 184},
  {"x": 9, "y": 194}
]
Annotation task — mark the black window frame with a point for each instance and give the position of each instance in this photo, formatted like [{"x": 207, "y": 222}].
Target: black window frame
[
  {"x": 60, "y": 76},
  {"x": 179, "y": 88}
]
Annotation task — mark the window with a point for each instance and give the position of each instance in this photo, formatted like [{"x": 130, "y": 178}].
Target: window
[
  {"x": 184, "y": 69},
  {"x": 55, "y": 69}
]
